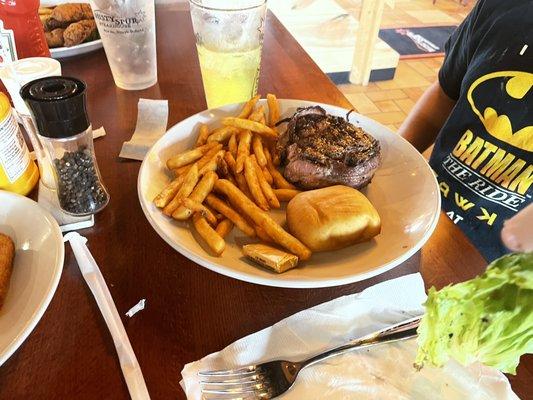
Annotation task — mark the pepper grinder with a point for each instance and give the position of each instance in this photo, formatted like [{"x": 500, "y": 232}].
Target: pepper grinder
[{"x": 58, "y": 109}]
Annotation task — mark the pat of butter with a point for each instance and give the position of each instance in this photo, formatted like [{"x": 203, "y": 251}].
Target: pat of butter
[{"x": 270, "y": 257}]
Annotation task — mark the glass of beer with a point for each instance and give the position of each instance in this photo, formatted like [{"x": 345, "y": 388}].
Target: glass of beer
[{"x": 229, "y": 37}]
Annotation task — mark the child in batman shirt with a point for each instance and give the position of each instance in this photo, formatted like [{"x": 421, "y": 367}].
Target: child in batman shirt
[{"x": 479, "y": 115}]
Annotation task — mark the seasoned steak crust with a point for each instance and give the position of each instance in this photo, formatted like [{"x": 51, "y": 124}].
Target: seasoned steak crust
[{"x": 319, "y": 150}]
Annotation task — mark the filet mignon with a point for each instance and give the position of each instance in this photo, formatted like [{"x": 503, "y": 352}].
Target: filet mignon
[{"x": 321, "y": 150}]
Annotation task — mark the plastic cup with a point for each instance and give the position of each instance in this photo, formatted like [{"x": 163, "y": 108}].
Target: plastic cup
[{"x": 127, "y": 29}]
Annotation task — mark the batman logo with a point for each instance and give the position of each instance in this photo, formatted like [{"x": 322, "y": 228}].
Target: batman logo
[{"x": 503, "y": 101}]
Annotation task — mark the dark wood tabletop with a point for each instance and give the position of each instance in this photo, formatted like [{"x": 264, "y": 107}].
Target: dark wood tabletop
[{"x": 190, "y": 311}]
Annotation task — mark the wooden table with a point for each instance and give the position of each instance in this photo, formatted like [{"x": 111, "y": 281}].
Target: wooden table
[{"x": 190, "y": 311}]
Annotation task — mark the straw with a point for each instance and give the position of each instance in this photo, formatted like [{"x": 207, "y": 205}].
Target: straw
[{"x": 92, "y": 275}]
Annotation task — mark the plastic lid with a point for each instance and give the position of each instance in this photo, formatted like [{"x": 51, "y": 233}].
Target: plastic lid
[
  {"x": 20, "y": 72},
  {"x": 58, "y": 106}
]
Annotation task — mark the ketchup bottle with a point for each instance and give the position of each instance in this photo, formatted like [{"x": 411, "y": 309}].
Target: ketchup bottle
[{"x": 22, "y": 18}]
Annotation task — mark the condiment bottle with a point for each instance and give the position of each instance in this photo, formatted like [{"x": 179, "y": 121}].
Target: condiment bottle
[
  {"x": 16, "y": 75},
  {"x": 18, "y": 173},
  {"x": 58, "y": 108},
  {"x": 22, "y": 31}
]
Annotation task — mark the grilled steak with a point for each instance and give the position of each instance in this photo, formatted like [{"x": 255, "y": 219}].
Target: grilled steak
[{"x": 321, "y": 150}]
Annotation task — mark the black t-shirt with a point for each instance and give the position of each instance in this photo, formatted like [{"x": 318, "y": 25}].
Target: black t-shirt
[{"x": 484, "y": 152}]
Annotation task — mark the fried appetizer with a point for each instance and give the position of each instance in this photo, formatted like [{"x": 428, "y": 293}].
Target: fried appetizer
[
  {"x": 50, "y": 24},
  {"x": 44, "y": 15},
  {"x": 55, "y": 38},
  {"x": 45, "y": 10},
  {"x": 72, "y": 12},
  {"x": 78, "y": 32},
  {"x": 7, "y": 254}
]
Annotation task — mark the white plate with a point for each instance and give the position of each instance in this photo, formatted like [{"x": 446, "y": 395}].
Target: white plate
[
  {"x": 404, "y": 191},
  {"x": 36, "y": 271},
  {"x": 82, "y": 48}
]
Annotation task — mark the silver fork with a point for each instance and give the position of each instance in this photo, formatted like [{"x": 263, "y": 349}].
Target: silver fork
[{"x": 271, "y": 379}]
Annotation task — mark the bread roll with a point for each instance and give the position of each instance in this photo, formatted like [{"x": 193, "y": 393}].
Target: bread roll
[
  {"x": 332, "y": 218},
  {"x": 7, "y": 253}
]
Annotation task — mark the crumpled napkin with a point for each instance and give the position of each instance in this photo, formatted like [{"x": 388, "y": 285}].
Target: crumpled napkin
[
  {"x": 152, "y": 119},
  {"x": 382, "y": 372}
]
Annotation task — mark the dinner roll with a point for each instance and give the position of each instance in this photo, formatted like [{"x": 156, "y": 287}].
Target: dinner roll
[{"x": 332, "y": 218}]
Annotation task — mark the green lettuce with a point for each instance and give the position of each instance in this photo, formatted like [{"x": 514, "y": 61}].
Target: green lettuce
[{"x": 487, "y": 319}]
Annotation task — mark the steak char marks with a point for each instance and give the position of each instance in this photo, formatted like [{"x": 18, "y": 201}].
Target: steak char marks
[{"x": 321, "y": 150}]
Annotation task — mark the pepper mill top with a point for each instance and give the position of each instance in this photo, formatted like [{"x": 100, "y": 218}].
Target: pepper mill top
[{"x": 58, "y": 105}]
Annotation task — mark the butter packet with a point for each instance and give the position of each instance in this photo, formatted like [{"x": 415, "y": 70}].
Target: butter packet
[{"x": 270, "y": 257}]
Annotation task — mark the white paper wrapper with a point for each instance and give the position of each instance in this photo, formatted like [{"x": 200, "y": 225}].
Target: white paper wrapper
[
  {"x": 384, "y": 372},
  {"x": 99, "y": 132},
  {"x": 136, "y": 308},
  {"x": 93, "y": 277},
  {"x": 152, "y": 118}
]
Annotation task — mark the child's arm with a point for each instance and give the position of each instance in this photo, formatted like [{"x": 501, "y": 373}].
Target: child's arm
[{"x": 427, "y": 117}]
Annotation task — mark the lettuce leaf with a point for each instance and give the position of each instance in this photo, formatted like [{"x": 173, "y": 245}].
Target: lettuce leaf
[{"x": 487, "y": 319}]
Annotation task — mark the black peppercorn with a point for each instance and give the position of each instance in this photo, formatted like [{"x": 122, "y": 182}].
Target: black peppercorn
[{"x": 79, "y": 189}]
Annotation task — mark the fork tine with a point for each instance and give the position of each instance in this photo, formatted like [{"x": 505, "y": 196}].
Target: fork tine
[
  {"x": 229, "y": 372},
  {"x": 235, "y": 389},
  {"x": 206, "y": 396},
  {"x": 237, "y": 392},
  {"x": 234, "y": 382},
  {"x": 256, "y": 376}
]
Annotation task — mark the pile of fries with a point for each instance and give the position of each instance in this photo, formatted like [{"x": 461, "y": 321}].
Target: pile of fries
[{"x": 230, "y": 179}]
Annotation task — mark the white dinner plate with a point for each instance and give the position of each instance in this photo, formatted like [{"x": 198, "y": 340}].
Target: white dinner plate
[
  {"x": 82, "y": 48},
  {"x": 404, "y": 192},
  {"x": 36, "y": 270}
]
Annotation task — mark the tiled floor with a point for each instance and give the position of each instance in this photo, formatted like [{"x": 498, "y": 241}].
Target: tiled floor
[
  {"x": 411, "y": 13},
  {"x": 389, "y": 102}
]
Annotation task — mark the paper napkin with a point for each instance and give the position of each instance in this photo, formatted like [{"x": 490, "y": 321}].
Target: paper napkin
[
  {"x": 152, "y": 118},
  {"x": 384, "y": 372}
]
